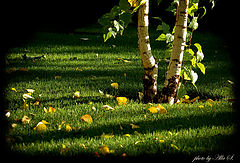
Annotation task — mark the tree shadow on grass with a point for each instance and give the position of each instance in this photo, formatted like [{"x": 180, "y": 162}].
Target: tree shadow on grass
[{"x": 146, "y": 126}]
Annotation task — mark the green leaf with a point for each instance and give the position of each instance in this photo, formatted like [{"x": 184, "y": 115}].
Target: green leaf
[
  {"x": 107, "y": 36},
  {"x": 201, "y": 67},
  {"x": 162, "y": 37},
  {"x": 194, "y": 77},
  {"x": 200, "y": 56},
  {"x": 124, "y": 5},
  {"x": 194, "y": 24},
  {"x": 169, "y": 37},
  {"x": 165, "y": 28},
  {"x": 126, "y": 18},
  {"x": 192, "y": 9},
  {"x": 198, "y": 46},
  {"x": 117, "y": 25},
  {"x": 159, "y": 28}
]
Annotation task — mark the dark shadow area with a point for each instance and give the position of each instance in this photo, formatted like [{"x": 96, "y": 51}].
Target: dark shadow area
[{"x": 176, "y": 123}]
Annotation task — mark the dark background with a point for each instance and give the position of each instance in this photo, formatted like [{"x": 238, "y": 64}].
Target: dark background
[{"x": 20, "y": 20}]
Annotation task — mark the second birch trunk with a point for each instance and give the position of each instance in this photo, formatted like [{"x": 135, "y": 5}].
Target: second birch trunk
[{"x": 170, "y": 89}]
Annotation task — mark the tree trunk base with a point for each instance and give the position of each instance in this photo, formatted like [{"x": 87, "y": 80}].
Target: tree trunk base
[
  {"x": 169, "y": 93},
  {"x": 150, "y": 84}
]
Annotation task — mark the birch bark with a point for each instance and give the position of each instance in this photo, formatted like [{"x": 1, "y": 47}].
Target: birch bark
[
  {"x": 170, "y": 89},
  {"x": 149, "y": 63}
]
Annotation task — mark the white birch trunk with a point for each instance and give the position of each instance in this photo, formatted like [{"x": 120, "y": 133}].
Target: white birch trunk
[
  {"x": 170, "y": 90},
  {"x": 149, "y": 64}
]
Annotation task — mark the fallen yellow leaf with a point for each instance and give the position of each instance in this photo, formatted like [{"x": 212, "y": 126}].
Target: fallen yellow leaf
[
  {"x": 161, "y": 109},
  {"x": 104, "y": 150},
  {"x": 114, "y": 85},
  {"x": 174, "y": 146},
  {"x": 27, "y": 96},
  {"x": 87, "y": 118},
  {"x": 153, "y": 110},
  {"x": 14, "y": 89},
  {"x": 106, "y": 136},
  {"x": 30, "y": 90},
  {"x": 121, "y": 100},
  {"x": 40, "y": 127},
  {"x": 76, "y": 94},
  {"x": 51, "y": 109},
  {"x": 107, "y": 107},
  {"x": 25, "y": 119},
  {"x": 45, "y": 122},
  {"x": 8, "y": 114},
  {"x": 68, "y": 128},
  {"x": 127, "y": 135},
  {"x": 133, "y": 126},
  {"x": 201, "y": 106},
  {"x": 161, "y": 141}
]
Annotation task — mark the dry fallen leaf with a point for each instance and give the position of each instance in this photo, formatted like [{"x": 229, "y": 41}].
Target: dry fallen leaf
[
  {"x": 133, "y": 126},
  {"x": 153, "y": 110},
  {"x": 161, "y": 109},
  {"x": 107, "y": 107},
  {"x": 87, "y": 118},
  {"x": 68, "y": 128},
  {"x": 40, "y": 127},
  {"x": 76, "y": 94},
  {"x": 104, "y": 150},
  {"x": 174, "y": 146},
  {"x": 114, "y": 85},
  {"x": 25, "y": 119},
  {"x": 14, "y": 89},
  {"x": 121, "y": 100}
]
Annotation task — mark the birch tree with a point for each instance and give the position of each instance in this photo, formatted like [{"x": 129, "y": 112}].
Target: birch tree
[
  {"x": 170, "y": 89},
  {"x": 117, "y": 20},
  {"x": 149, "y": 63}
]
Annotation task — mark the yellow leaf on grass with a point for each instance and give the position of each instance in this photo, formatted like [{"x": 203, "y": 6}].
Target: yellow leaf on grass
[
  {"x": 127, "y": 135},
  {"x": 114, "y": 85},
  {"x": 87, "y": 118},
  {"x": 14, "y": 89},
  {"x": 76, "y": 94},
  {"x": 30, "y": 90},
  {"x": 25, "y": 119},
  {"x": 40, "y": 127},
  {"x": 133, "y": 126},
  {"x": 68, "y": 128},
  {"x": 107, "y": 107},
  {"x": 161, "y": 141},
  {"x": 8, "y": 114},
  {"x": 51, "y": 109},
  {"x": 121, "y": 100},
  {"x": 64, "y": 149},
  {"x": 106, "y": 136},
  {"x": 161, "y": 109},
  {"x": 45, "y": 122},
  {"x": 174, "y": 146},
  {"x": 153, "y": 110},
  {"x": 27, "y": 96},
  {"x": 104, "y": 150},
  {"x": 79, "y": 69},
  {"x": 201, "y": 106}
]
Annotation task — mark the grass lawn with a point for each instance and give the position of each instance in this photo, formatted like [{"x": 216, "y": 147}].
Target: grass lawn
[{"x": 82, "y": 62}]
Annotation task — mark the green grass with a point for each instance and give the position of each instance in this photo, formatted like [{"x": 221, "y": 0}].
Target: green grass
[{"x": 190, "y": 129}]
